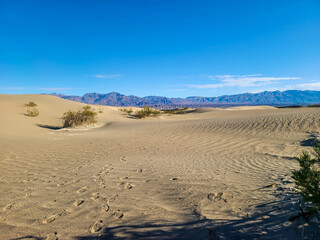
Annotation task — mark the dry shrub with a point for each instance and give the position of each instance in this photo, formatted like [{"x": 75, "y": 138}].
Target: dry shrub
[
  {"x": 126, "y": 110},
  {"x": 33, "y": 112},
  {"x": 177, "y": 111},
  {"x": 85, "y": 116},
  {"x": 146, "y": 112},
  {"x": 31, "y": 104}
]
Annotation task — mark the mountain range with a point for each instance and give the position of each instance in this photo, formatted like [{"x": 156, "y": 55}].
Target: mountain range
[{"x": 273, "y": 98}]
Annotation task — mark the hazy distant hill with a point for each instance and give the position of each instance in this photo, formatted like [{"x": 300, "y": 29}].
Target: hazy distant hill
[{"x": 290, "y": 97}]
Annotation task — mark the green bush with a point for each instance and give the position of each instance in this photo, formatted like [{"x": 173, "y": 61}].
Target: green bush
[
  {"x": 85, "y": 116},
  {"x": 307, "y": 178},
  {"x": 31, "y": 104},
  {"x": 146, "y": 112},
  {"x": 33, "y": 112}
]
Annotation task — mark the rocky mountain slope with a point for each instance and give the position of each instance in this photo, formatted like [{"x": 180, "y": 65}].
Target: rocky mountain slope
[{"x": 275, "y": 98}]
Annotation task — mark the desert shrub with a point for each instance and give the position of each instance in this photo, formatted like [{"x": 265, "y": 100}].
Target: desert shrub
[
  {"x": 307, "y": 178},
  {"x": 31, "y": 104},
  {"x": 85, "y": 116},
  {"x": 33, "y": 112},
  {"x": 126, "y": 110},
  {"x": 146, "y": 112},
  {"x": 176, "y": 111}
]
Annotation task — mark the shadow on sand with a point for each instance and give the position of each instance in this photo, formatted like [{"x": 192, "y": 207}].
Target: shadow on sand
[
  {"x": 270, "y": 222},
  {"x": 29, "y": 237},
  {"x": 49, "y": 126},
  {"x": 311, "y": 142}
]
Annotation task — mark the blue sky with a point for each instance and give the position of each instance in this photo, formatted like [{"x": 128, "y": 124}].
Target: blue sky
[{"x": 158, "y": 47}]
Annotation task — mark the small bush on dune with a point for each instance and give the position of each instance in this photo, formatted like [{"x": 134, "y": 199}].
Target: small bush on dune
[
  {"x": 146, "y": 112},
  {"x": 126, "y": 110},
  {"x": 176, "y": 111},
  {"x": 307, "y": 178},
  {"x": 33, "y": 112},
  {"x": 31, "y": 104},
  {"x": 85, "y": 116}
]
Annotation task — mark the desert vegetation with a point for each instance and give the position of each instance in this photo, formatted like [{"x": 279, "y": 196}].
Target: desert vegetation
[
  {"x": 126, "y": 110},
  {"x": 150, "y": 112},
  {"x": 32, "y": 112},
  {"x": 307, "y": 178},
  {"x": 86, "y": 115},
  {"x": 31, "y": 104},
  {"x": 146, "y": 112},
  {"x": 177, "y": 111}
]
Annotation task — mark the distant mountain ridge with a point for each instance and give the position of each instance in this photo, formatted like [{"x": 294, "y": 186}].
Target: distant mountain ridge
[{"x": 274, "y": 98}]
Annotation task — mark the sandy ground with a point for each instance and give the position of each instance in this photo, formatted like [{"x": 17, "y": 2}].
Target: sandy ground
[{"x": 211, "y": 174}]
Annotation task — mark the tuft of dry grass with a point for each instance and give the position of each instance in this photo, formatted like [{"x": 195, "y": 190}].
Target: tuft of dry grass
[
  {"x": 85, "y": 116},
  {"x": 31, "y": 104}
]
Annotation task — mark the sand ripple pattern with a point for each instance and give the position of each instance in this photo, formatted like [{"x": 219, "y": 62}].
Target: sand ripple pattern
[{"x": 204, "y": 167}]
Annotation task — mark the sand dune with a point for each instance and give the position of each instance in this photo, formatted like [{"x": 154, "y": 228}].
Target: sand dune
[{"x": 210, "y": 174}]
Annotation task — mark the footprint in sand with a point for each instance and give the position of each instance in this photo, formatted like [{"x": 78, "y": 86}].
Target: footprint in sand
[
  {"x": 63, "y": 213},
  {"x": 7, "y": 207},
  {"x": 117, "y": 214},
  {"x": 126, "y": 185},
  {"x": 81, "y": 190},
  {"x": 113, "y": 198},
  {"x": 102, "y": 183},
  {"x": 95, "y": 196},
  {"x": 78, "y": 202},
  {"x": 49, "y": 219},
  {"x": 215, "y": 196},
  {"x": 105, "y": 207},
  {"x": 52, "y": 236},
  {"x": 97, "y": 226},
  {"x": 61, "y": 184}
]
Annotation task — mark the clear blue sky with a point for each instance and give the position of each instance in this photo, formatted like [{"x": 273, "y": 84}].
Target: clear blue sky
[{"x": 158, "y": 47}]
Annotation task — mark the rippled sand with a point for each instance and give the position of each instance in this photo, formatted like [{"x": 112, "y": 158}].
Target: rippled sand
[{"x": 210, "y": 174}]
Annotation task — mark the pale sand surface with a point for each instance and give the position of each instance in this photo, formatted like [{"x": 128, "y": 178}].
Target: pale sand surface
[{"x": 202, "y": 175}]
